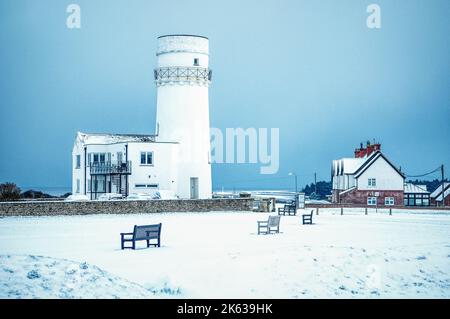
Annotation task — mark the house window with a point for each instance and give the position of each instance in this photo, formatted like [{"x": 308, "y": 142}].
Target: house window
[
  {"x": 78, "y": 161},
  {"x": 146, "y": 158},
  {"x": 78, "y": 186},
  {"x": 196, "y": 62},
  {"x": 372, "y": 182},
  {"x": 119, "y": 157},
  {"x": 372, "y": 201},
  {"x": 389, "y": 201},
  {"x": 89, "y": 185},
  {"x": 146, "y": 185},
  {"x": 99, "y": 157}
]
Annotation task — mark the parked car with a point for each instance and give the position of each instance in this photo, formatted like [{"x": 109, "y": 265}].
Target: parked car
[
  {"x": 142, "y": 196},
  {"x": 110, "y": 196},
  {"x": 167, "y": 194},
  {"x": 76, "y": 198}
]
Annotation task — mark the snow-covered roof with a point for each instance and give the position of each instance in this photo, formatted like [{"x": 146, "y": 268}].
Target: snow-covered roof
[
  {"x": 106, "y": 138},
  {"x": 347, "y": 165},
  {"x": 358, "y": 165},
  {"x": 415, "y": 189},
  {"x": 437, "y": 194}
]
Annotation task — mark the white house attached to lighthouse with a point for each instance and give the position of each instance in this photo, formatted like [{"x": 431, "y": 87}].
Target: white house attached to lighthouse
[{"x": 177, "y": 157}]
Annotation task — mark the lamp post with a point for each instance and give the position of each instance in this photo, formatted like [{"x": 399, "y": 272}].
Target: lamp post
[
  {"x": 295, "y": 175},
  {"x": 296, "y": 191}
]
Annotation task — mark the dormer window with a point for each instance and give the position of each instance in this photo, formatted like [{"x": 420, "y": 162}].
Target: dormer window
[{"x": 196, "y": 62}]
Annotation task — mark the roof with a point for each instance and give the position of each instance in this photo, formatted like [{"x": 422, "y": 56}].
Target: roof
[
  {"x": 182, "y": 35},
  {"x": 107, "y": 138},
  {"x": 372, "y": 159},
  {"x": 437, "y": 194},
  {"x": 357, "y": 166},
  {"x": 347, "y": 165},
  {"x": 415, "y": 189}
]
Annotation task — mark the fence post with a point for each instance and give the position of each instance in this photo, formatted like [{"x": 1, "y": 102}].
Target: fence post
[
  {"x": 317, "y": 211},
  {"x": 366, "y": 211},
  {"x": 342, "y": 210}
]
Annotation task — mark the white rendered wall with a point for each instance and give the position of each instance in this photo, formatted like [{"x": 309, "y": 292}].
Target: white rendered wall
[
  {"x": 163, "y": 171},
  {"x": 183, "y": 112},
  {"x": 386, "y": 177},
  {"x": 77, "y": 173}
]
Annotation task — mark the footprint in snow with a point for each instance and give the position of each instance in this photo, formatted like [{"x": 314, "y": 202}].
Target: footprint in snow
[{"x": 421, "y": 258}]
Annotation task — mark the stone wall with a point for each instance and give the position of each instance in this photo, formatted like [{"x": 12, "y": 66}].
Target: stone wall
[{"x": 123, "y": 207}]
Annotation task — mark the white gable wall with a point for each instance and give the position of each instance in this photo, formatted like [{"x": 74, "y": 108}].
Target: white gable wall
[
  {"x": 387, "y": 178},
  {"x": 163, "y": 171}
]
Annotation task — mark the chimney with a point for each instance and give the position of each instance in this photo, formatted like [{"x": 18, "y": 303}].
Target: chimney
[
  {"x": 360, "y": 152},
  {"x": 377, "y": 147},
  {"x": 371, "y": 148}
]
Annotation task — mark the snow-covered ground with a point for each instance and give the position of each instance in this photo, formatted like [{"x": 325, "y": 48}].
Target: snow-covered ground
[{"x": 219, "y": 255}]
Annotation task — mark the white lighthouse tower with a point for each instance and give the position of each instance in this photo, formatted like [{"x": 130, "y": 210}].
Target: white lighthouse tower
[{"x": 182, "y": 78}]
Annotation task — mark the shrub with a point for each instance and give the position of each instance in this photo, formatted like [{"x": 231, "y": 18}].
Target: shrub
[{"x": 9, "y": 192}]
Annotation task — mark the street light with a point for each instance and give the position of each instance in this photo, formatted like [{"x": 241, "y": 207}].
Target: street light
[{"x": 295, "y": 175}]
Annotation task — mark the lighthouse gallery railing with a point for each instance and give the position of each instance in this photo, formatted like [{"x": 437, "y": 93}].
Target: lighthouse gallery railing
[{"x": 183, "y": 74}]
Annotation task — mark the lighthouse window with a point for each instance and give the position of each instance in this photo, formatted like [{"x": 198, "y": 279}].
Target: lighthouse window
[
  {"x": 146, "y": 158},
  {"x": 196, "y": 62}
]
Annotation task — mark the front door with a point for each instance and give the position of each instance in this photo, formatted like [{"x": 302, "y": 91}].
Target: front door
[{"x": 194, "y": 187}]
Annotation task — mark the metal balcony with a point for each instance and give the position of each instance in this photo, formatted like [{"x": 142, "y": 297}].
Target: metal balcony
[
  {"x": 110, "y": 168},
  {"x": 168, "y": 74}
]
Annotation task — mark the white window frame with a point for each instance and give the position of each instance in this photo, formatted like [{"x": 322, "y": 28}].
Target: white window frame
[
  {"x": 146, "y": 159},
  {"x": 372, "y": 182},
  {"x": 371, "y": 201},
  {"x": 389, "y": 201}
]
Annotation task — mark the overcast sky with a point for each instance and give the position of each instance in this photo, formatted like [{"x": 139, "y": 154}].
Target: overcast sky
[{"x": 311, "y": 68}]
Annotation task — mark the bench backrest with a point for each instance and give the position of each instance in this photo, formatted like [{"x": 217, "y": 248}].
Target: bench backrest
[
  {"x": 147, "y": 232},
  {"x": 274, "y": 221}
]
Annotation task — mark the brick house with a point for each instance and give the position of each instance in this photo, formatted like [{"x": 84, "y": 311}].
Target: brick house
[
  {"x": 436, "y": 196},
  {"x": 367, "y": 179}
]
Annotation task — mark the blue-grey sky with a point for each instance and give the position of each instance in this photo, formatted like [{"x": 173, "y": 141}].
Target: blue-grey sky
[{"x": 311, "y": 68}]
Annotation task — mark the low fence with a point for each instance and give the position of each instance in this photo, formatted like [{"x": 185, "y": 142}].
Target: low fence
[
  {"x": 54, "y": 208},
  {"x": 366, "y": 210},
  {"x": 372, "y": 207}
]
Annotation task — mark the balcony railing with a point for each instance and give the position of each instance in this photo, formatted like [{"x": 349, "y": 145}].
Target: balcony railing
[
  {"x": 183, "y": 74},
  {"x": 110, "y": 168}
]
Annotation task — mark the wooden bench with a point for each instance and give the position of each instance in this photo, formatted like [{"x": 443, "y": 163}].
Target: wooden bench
[
  {"x": 307, "y": 218},
  {"x": 147, "y": 233},
  {"x": 270, "y": 225},
  {"x": 289, "y": 209}
]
